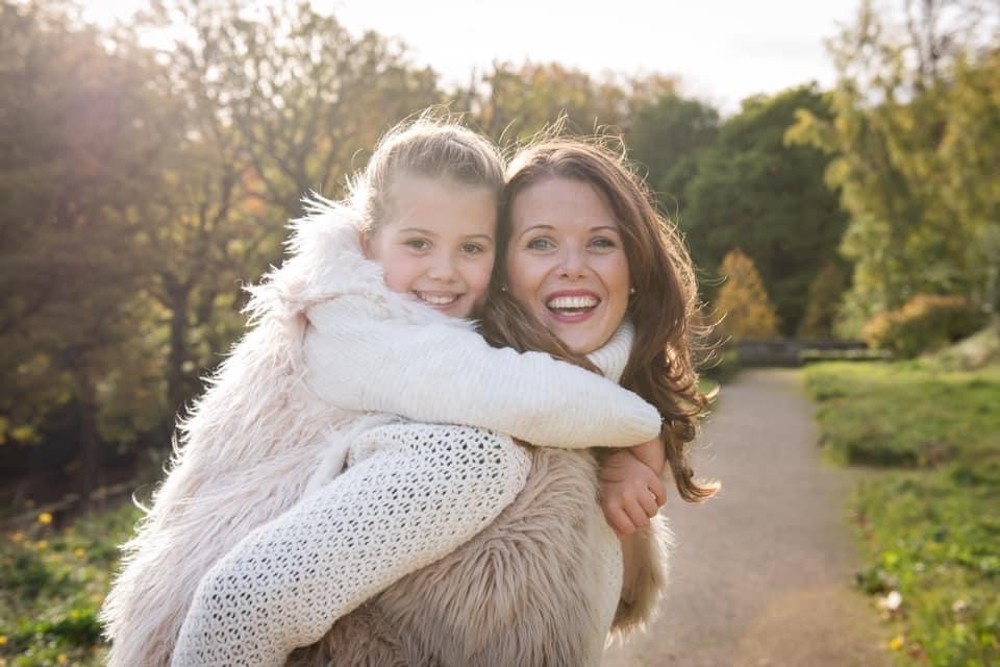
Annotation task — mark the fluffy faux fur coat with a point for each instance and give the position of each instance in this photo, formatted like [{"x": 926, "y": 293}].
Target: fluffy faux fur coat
[
  {"x": 252, "y": 442},
  {"x": 520, "y": 593}
]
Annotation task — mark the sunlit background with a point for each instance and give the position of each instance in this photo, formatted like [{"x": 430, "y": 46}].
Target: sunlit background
[
  {"x": 832, "y": 167},
  {"x": 722, "y": 51}
]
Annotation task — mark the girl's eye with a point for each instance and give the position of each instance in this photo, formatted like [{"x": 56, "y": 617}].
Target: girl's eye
[
  {"x": 418, "y": 244},
  {"x": 472, "y": 248},
  {"x": 540, "y": 243}
]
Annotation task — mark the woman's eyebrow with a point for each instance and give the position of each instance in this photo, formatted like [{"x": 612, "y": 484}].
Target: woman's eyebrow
[{"x": 540, "y": 225}]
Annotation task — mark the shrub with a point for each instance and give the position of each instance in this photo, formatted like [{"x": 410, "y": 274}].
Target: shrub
[
  {"x": 743, "y": 306},
  {"x": 926, "y": 323}
]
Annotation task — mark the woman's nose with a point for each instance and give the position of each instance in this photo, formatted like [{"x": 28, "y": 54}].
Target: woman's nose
[{"x": 572, "y": 263}]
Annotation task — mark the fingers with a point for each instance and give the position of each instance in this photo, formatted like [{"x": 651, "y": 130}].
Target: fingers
[
  {"x": 619, "y": 521},
  {"x": 647, "y": 502},
  {"x": 659, "y": 491},
  {"x": 637, "y": 513}
]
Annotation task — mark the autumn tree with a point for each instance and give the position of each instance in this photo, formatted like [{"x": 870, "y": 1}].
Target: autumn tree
[
  {"x": 513, "y": 102},
  {"x": 742, "y": 306},
  {"x": 277, "y": 102},
  {"x": 77, "y": 155}
]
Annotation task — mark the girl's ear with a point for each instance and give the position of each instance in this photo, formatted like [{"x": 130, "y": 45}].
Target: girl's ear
[{"x": 365, "y": 237}]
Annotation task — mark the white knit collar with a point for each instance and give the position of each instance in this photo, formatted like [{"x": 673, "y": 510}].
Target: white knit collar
[{"x": 613, "y": 356}]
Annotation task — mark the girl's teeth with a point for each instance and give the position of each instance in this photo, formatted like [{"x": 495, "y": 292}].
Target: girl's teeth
[
  {"x": 438, "y": 299},
  {"x": 571, "y": 302}
]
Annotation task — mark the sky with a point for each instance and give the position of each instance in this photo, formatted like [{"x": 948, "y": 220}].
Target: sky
[{"x": 722, "y": 50}]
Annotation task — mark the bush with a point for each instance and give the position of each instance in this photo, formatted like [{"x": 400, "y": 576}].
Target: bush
[{"x": 926, "y": 323}]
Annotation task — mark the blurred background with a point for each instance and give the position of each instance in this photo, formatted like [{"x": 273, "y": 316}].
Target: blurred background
[{"x": 834, "y": 171}]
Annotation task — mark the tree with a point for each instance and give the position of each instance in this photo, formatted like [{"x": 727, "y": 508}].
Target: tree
[
  {"x": 276, "y": 103},
  {"x": 755, "y": 191},
  {"x": 743, "y": 306},
  {"x": 76, "y": 156},
  {"x": 668, "y": 137},
  {"x": 914, "y": 117},
  {"x": 512, "y": 103}
]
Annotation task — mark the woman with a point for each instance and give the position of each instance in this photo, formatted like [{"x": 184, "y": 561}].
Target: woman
[{"x": 587, "y": 260}]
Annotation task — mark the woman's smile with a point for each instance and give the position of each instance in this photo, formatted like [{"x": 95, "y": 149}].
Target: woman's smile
[{"x": 566, "y": 261}]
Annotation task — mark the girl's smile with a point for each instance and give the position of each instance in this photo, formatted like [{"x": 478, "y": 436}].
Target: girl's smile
[{"x": 437, "y": 243}]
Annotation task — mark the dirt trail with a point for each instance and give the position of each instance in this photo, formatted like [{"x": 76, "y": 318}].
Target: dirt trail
[{"x": 761, "y": 575}]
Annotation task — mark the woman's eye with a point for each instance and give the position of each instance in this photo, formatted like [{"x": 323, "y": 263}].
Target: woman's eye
[
  {"x": 473, "y": 249},
  {"x": 604, "y": 242},
  {"x": 540, "y": 244}
]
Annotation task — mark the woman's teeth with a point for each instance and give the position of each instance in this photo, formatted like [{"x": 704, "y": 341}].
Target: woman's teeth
[{"x": 572, "y": 303}]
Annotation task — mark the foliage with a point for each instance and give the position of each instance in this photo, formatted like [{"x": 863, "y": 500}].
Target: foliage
[
  {"x": 915, "y": 140},
  {"x": 823, "y": 301},
  {"x": 55, "y": 580},
  {"x": 926, "y": 322},
  {"x": 743, "y": 307},
  {"x": 80, "y": 139},
  {"x": 979, "y": 350},
  {"x": 927, "y": 534},
  {"x": 667, "y": 137},
  {"x": 514, "y": 102},
  {"x": 753, "y": 190}
]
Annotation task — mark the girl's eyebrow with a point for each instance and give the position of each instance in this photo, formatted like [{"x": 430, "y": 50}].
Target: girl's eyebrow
[{"x": 417, "y": 230}]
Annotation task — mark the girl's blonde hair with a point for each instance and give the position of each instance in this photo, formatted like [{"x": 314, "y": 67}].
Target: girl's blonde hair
[
  {"x": 660, "y": 367},
  {"x": 433, "y": 144}
]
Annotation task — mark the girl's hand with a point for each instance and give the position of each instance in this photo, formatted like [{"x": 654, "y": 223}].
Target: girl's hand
[{"x": 631, "y": 493}]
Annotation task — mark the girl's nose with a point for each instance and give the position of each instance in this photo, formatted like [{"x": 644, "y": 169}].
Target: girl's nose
[{"x": 443, "y": 268}]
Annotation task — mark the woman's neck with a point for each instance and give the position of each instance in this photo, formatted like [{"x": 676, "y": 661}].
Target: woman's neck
[{"x": 612, "y": 357}]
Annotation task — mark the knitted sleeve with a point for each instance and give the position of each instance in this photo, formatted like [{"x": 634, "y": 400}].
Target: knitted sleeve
[
  {"x": 427, "y": 490},
  {"x": 440, "y": 372}
]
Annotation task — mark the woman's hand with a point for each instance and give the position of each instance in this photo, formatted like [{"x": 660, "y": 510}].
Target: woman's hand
[{"x": 631, "y": 492}]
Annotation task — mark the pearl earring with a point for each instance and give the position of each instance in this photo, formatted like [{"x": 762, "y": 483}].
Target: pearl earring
[{"x": 631, "y": 290}]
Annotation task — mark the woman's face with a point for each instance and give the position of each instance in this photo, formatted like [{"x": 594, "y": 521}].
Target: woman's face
[{"x": 566, "y": 261}]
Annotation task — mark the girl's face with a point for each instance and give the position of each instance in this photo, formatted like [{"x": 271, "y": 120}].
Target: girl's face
[
  {"x": 437, "y": 243},
  {"x": 566, "y": 261}
]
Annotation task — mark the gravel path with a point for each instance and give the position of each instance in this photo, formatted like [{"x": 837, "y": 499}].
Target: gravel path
[{"x": 762, "y": 574}]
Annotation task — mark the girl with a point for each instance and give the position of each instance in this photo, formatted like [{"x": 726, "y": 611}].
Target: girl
[{"x": 426, "y": 208}]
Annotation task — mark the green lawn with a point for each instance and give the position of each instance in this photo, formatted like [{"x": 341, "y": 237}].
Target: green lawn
[
  {"x": 929, "y": 515},
  {"x": 54, "y": 581}
]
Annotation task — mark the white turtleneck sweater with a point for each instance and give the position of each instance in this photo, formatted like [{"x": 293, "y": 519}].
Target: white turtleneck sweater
[{"x": 413, "y": 492}]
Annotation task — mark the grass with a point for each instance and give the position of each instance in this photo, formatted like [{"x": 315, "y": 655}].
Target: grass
[
  {"x": 54, "y": 581},
  {"x": 929, "y": 515}
]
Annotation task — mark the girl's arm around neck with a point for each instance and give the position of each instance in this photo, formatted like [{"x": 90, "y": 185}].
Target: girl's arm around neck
[{"x": 357, "y": 359}]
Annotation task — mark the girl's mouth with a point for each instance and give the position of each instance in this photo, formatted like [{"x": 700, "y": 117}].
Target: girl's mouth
[{"x": 437, "y": 299}]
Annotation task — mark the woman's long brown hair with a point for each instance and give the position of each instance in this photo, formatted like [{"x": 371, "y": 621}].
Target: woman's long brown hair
[{"x": 660, "y": 367}]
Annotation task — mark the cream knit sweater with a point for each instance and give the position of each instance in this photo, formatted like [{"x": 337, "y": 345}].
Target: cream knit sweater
[
  {"x": 412, "y": 494},
  {"x": 262, "y": 431}
]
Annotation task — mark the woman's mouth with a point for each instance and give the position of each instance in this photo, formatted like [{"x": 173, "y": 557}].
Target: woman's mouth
[{"x": 571, "y": 308}]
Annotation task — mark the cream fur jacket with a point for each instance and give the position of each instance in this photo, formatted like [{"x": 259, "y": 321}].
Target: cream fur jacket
[{"x": 252, "y": 442}]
